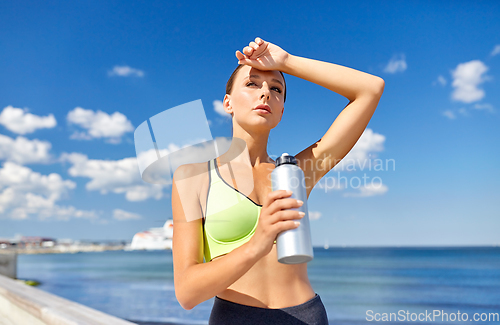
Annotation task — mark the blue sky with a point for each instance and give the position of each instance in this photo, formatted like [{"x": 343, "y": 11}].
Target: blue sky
[{"x": 78, "y": 77}]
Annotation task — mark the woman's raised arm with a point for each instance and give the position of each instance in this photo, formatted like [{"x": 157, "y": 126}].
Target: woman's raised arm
[
  {"x": 361, "y": 89},
  {"x": 363, "y": 92}
]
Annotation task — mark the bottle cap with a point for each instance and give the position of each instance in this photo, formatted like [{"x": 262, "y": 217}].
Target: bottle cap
[{"x": 285, "y": 159}]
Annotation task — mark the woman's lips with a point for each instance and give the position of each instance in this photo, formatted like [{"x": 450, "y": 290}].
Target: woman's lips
[{"x": 265, "y": 109}]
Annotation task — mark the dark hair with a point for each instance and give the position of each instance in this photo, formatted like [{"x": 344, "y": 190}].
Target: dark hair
[{"x": 229, "y": 85}]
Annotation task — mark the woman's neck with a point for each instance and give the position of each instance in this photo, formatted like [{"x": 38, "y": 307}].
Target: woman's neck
[{"x": 256, "y": 145}]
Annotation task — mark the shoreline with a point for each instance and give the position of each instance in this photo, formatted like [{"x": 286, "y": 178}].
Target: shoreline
[{"x": 62, "y": 249}]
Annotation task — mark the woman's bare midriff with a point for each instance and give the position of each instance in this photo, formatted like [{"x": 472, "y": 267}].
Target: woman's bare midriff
[{"x": 271, "y": 284}]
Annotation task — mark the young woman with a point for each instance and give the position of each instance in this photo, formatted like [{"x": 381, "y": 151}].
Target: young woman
[{"x": 241, "y": 268}]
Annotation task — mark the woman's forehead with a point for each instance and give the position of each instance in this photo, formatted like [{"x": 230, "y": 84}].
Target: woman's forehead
[{"x": 247, "y": 71}]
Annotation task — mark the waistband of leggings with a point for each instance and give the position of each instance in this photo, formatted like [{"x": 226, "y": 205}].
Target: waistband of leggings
[{"x": 303, "y": 305}]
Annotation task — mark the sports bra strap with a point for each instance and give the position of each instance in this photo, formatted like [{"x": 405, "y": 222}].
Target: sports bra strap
[{"x": 230, "y": 171}]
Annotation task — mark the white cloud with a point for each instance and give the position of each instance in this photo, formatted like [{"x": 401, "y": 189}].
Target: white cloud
[
  {"x": 463, "y": 111},
  {"x": 441, "y": 80},
  {"x": 66, "y": 213},
  {"x": 369, "y": 190},
  {"x": 218, "y": 108},
  {"x": 449, "y": 114},
  {"x": 360, "y": 155},
  {"x": 25, "y": 193},
  {"x": 124, "y": 215},
  {"x": 330, "y": 183},
  {"x": 396, "y": 64},
  {"x": 314, "y": 215},
  {"x": 466, "y": 79},
  {"x": 467, "y": 111},
  {"x": 487, "y": 107},
  {"x": 21, "y": 177},
  {"x": 99, "y": 124},
  {"x": 125, "y": 71},
  {"x": 496, "y": 50},
  {"x": 80, "y": 136},
  {"x": 20, "y": 121},
  {"x": 116, "y": 176},
  {"x": 24, "y": 151}
]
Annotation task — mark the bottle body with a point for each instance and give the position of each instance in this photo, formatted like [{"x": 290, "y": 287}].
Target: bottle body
[{"x": 294, "y": 246}]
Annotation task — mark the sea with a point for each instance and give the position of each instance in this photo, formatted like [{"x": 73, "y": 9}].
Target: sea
[{"x": 357, "y": 285}]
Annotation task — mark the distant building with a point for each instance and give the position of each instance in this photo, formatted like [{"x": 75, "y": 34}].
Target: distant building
[
  {"x": 4, "y": 243},
  {"x": 35, "y": 241},
  {"x": 154, "y": 238}
]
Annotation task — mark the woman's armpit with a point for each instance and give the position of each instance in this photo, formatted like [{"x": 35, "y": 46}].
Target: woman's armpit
[{"x": 187, "y": 191}]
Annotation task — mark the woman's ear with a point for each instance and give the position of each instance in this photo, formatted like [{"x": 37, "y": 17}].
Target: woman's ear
[
  {"x": 227, "y": 104},
  {"x": 282, "y": 110}
]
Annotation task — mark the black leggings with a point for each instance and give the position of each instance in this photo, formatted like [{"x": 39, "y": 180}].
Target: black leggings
[{"x": 311, "y": 312}]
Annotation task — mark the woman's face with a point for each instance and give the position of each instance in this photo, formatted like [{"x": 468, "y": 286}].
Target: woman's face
[{"x": 257, "y": 98}]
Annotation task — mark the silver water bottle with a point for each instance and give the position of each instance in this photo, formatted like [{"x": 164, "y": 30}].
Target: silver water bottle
[{"x": 294, "y": 246}]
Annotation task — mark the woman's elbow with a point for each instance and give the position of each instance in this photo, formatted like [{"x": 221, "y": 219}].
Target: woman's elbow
[
  {"x": 378, "y": 86},
  {"x": 373, "y": 89},
  {"x": 183, "y": 300}
]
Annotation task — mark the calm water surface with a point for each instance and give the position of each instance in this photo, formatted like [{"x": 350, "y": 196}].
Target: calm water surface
[{"x": 139, "y": 286}]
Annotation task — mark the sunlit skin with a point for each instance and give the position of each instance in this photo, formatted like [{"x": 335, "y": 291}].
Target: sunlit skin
[
  {"x": 253, "y": 87},
  {"x": 251, "y": 274}
]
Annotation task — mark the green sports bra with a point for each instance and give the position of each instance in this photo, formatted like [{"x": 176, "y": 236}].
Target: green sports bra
[{"x": 230, "y": 216}]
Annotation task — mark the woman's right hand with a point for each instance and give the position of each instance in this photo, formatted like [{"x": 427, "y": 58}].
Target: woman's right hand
[
  {"x": 263, "y": 55},
  {"x": 275, "y": 217}
]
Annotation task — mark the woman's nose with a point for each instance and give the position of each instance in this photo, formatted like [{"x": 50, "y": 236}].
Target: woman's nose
[{"x": 265, "y": 92}]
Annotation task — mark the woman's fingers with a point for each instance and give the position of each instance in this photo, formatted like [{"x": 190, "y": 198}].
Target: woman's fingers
[
  {"x": 274, "y": 219},
  {"x": 240, "y": 55},
  {"x": 286, "y": 225},
  {"x": 256, "y": 55},
  {"x": 274, "y": 195},
  {"x": 288, "y": 215},
  {"x": 248, "y": 50},
  {"x": 284, "y": 204},
  {"x": 254, "y": 45},
  {"x": 262, "y": 55}
]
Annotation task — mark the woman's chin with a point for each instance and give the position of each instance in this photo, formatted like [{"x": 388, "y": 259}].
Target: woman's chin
[{"x": 261, "y": 123}]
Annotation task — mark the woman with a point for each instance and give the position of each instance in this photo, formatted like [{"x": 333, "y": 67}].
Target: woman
[{"x": 249, "y": 284}]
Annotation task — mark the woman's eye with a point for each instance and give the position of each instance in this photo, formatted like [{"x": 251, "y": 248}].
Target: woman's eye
[{"x": 276, "y": 89}]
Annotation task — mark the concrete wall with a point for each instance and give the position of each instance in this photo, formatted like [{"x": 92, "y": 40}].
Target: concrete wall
[
  {"x": 8, "y": 265},
  {"x": 22, "y": 304}
]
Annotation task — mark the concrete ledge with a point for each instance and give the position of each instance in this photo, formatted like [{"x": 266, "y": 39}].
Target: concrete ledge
[
  {"x": 8, "y": 265},
  {"x": 22, "y": 304}
]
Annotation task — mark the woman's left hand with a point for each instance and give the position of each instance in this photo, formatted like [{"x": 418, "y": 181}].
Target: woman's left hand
[{"x": 263, "y": 55}]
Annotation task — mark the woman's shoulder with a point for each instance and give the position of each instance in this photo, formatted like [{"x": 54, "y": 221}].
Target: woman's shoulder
[{"x": 193, "y": 170}]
